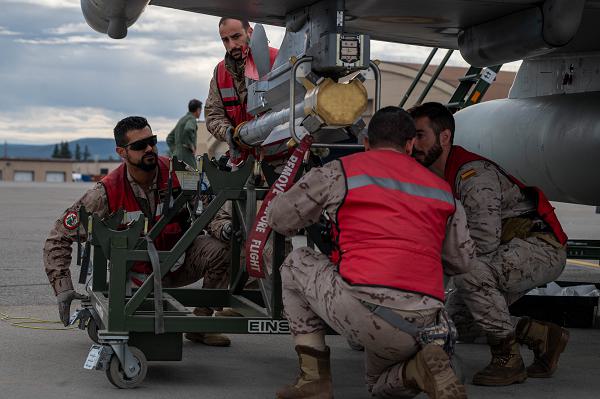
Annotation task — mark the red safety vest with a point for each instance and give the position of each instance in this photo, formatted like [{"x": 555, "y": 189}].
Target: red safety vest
[
  {"x": 236, "y": 111},
  {"x": 392, "y": 223},
  {"x": 120, "y": 196},
  {"x": 459, "y": 157}
]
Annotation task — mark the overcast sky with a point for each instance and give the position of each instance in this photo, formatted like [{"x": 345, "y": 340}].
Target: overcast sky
[{"x": 60, "y": 80}]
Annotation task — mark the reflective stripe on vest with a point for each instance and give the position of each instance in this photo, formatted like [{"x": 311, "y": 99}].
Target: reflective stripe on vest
[
  {"x": 408, "y": 188},
  {"x": 230, "y": 97},
  {"x": 229, "y": 92},
  {"x": 235, "y": 110},
  {"x": 459, "y": 157},
  {"x": 391, "y": 224}
]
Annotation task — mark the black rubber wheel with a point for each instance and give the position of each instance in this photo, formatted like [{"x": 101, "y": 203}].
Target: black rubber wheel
[
  {"x": 117, "y": 376},
  {"x": 92, "y": 330}
]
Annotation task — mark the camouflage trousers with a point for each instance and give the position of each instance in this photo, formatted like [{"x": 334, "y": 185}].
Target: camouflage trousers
[
  {"x": 206, "y": 258},
  {"x": 479, "y": 304},
  {"x": 315, "y": 295}
]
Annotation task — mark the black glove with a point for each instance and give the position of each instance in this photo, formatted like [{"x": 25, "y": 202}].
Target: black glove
[
  {"x": 227, "y": 232},
  {"x": 221, "y": 163},
  {"x": 229, "y": 137},
  {"x": 64, "y": 300},
  {"x": 234, "y": 150}
]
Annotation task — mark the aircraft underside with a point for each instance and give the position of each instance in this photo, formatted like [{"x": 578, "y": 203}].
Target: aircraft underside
[{"x": 547, "y": 132}]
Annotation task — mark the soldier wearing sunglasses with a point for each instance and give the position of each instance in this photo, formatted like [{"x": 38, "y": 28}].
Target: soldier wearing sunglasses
[{"x": 136, "y": 186}]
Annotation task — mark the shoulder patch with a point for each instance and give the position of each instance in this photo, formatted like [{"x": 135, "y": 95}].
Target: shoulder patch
[
  {"x": 71, "y": 220},
  {"x": 467, "y": 174}
]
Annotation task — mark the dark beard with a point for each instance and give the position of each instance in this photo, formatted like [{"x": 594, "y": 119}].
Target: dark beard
[
  {"x": 148, "y": 162},
  {"x": 236, "y": 55},
  {"x": 432, "y": 155}
]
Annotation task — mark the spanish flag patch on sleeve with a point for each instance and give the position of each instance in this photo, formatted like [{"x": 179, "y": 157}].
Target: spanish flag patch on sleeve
[{"x": 467, "y": 174}]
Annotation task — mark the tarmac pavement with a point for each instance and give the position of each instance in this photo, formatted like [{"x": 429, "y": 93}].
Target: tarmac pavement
[{"x": 49, "y": 364}]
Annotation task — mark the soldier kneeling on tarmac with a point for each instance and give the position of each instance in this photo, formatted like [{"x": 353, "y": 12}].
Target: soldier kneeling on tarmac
[
  {"x": 396, "y": 229},
  {"x": 519, "y": 245},
  {"x": 137, "y": 187}
]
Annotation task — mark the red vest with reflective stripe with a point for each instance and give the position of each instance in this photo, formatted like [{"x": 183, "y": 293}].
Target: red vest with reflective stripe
[
  {"x": 392, "y": 223},
  {"x": 459, "y": 157},
  {"x": 236, "y": 111},
  {"x": 120, "y": 196}
]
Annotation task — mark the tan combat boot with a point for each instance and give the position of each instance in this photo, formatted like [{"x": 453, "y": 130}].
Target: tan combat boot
[
  {"x": 228, "y": 312},
  {"x": 546, "y": 340},
  {"x": 210, "y": 339},
  {"x": 430, "y": 371},
  {"x": 314, "y": 381},
  {"x": 506, "y": 366}
]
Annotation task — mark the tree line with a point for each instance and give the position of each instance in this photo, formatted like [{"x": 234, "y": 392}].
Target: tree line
[{"x": 62, "y": 151}]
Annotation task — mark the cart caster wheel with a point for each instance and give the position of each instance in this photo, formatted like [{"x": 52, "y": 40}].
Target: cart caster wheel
[
  {"x": 92, "y": 330},
  {"x": 117, "y": 376}
]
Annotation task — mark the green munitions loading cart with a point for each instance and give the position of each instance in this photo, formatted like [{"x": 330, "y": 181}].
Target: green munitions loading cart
[
  {"x": 133, "y": 326},
  {"x": 123, "y": 322}
]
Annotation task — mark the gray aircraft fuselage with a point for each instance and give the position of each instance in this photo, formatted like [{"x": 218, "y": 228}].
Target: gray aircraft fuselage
[{"x": 546, "y": 133}]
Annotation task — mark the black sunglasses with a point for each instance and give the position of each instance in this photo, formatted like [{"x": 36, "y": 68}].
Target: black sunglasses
[{"x": 142, "y": 144}]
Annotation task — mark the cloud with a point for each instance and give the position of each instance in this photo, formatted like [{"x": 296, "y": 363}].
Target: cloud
[
  {"x": 52, "y": 124},
  {"x": 51, "y": 41},
  {"x": 70, "y": 28},
  {"x": 61, "y": 80},
  {"x": 133, "y": 44},
  {"x": 193, "y": 67},
  {"x": 53, "y": 3},
  {"x": 177, "y": 22},
  {"x": 399, "y": 52},
  {"x": 274, "y": 34},
  {"x": 194, "y": 47},
  {"x": 7, "y": 32}
]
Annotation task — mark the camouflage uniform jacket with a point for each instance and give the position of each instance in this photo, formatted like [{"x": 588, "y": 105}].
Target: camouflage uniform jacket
[
  {"x": 489, "y": 198},
  {"x": 183, "y": 139},
  {"x": 57, "y": 248},
  {"x": 324, "y": 189},
  {"x": 217, "y": 121}
]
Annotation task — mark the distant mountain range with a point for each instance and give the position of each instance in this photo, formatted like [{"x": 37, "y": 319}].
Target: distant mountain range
[{"x": 99, "y": 149}]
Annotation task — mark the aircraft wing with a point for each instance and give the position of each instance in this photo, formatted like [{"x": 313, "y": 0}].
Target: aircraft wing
[{"x": 432, "y": 23}]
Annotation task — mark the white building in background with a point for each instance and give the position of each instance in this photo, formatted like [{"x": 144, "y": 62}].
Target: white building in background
[{"x": 52, "y": 170}]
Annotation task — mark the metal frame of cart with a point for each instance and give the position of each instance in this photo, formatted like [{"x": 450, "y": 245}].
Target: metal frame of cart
[{"x": 123, "y": 324}]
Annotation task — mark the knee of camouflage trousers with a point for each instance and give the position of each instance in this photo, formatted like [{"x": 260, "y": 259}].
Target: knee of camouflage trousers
[
  {"x": 485, "y": 300},
  {"x": 478, "y": 279},
  {"x": 206, "y": 258},
  {"x": 216, "y": 274}
]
